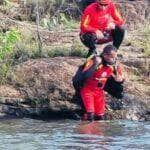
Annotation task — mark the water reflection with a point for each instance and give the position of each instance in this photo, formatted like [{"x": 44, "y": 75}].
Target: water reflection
[
  {"x": 102, "y": 128},
  {"x": 71, "y": 135},
  {"x": 92, "y": 128},
  {"x": 94, "y": 134}
]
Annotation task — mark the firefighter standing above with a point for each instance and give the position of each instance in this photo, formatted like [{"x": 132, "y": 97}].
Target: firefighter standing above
[{"x": 101, "y": 23}]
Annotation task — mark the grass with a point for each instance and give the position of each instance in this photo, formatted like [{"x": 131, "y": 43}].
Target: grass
[
  {"x": 4, "y": 71},
  {"x": 27, "y": 48},
  {"x": 59, "y": 51},
  {"x": 59, "y": 22},
  {"x": 141, "y": 39}
]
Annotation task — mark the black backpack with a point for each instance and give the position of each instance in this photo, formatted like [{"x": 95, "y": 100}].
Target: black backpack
[
  {"x": 78, "y": 79},
  {"x": 81, "y": 76},
  {"x": 114, "y": 88}
]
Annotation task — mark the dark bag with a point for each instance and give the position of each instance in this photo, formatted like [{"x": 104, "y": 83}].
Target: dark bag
[
  {"x": 114, "y": 88},
  {"x": 78, "y": 79},
  {"x": 81, "y": 76}
]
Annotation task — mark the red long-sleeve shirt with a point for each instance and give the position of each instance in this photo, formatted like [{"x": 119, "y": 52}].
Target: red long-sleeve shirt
[{"x": 95, "y": 18}]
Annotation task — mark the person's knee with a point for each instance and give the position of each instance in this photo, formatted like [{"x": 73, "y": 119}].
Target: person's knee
[
  {"x": 88, "y": 39},
  {"x": 88, "y": 36},
  {"x": 120, "y": 29}
]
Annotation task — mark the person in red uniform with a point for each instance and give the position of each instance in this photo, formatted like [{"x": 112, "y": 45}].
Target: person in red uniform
[
  {"x": 92, "y": 93},
  {"x": 101, "y": 23}
]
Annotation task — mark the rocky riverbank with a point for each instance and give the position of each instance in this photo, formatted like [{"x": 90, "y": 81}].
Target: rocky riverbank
[{"x": 43, "y": 88}]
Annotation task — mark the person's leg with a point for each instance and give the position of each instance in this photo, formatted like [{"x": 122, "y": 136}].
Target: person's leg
[
  {"x": 88, "y": 100},
  {"x": 118, "y": 36},
  {"x": 99, "y": 106},
  {"x": 89, "y": 40}
]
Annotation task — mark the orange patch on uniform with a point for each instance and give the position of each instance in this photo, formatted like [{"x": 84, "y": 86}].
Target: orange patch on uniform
[
  {"x": 100, "y": 66},
  {"x": 86, "y": 21},
  {"x": 118, "y": 14},
  {"x": 88, "y": 65}
]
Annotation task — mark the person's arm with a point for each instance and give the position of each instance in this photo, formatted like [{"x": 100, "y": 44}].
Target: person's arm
[
  {"x": 118, "y": 20},
  {"x": 86, "y": 27},
  {"x": 85, "y": 22},
  {"x": 118, "y": 75}
]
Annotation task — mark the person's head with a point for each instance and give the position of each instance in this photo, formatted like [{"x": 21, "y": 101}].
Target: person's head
[
  {"x": 103, "y": 3},
  {"x": 109, "y": 54}
]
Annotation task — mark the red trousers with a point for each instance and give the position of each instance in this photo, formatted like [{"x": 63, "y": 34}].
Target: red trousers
[{"x": 94, "y": 100}]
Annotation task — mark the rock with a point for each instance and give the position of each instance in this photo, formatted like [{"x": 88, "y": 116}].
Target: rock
[
  {"x": 9, "y": 91},
  {"x": 43, "y": 88},
  {"x": 45, "y": 84}
]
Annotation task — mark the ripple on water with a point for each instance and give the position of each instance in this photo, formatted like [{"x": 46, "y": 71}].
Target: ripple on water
[{"x": 67, "y": 134}]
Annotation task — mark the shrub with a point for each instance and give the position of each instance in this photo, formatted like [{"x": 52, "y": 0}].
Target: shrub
[
  {"x": 143, "y": 39},
  {"x": 7, "y": 44},
  {"x": 59, "y": 51}
]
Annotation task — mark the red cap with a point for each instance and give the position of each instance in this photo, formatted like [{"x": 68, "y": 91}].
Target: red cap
[{"x": 104, "y": 2}]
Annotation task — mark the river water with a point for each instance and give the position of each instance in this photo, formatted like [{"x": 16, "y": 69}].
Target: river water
[{"x": 30, "y": 134}]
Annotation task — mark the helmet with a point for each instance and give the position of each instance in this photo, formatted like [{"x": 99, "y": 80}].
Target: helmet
[{"x": 104, "y": 2}]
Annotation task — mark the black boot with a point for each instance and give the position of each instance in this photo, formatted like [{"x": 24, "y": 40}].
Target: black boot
[
  {"x": 90, "y": 116},
  {"x": 99, "y": 117}
]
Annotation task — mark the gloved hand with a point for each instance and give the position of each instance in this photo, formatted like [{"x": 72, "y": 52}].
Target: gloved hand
[
  {"x": 118, "y": 75},
  {"x": 99, "y": 34},
  {"x": 118, "y": 78},
  {"x": 111, "y": 26}
]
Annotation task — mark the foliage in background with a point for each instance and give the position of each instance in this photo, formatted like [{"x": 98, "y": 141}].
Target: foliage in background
[
  {"x": 60, "y": 21},
  {"x": 60, "y": 51},
  {"x": 145, "y": 42},
  {"x": 52, "y": 13},
  {"x": 5, "y": 6},
  {"x": 7, "y": 44},
  {"x": 142, "y": 40}
]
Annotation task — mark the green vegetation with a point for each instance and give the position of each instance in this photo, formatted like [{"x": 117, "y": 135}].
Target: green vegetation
[
  {"x": 5, "y": 6},
  {"x": 4, "y": 69},
  {"x": 7, "y": 44},
  {"x": 59, "y": 51},
  {"x": 145, "y": 42},
  {"x": 60, "y": 21},
  {"x": 141, "y": 39}
]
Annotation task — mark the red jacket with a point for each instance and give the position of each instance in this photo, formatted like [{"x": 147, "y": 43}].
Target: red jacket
[
  {"x": 94, "y": 18},
  {"x": 101, "y": 75}
]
